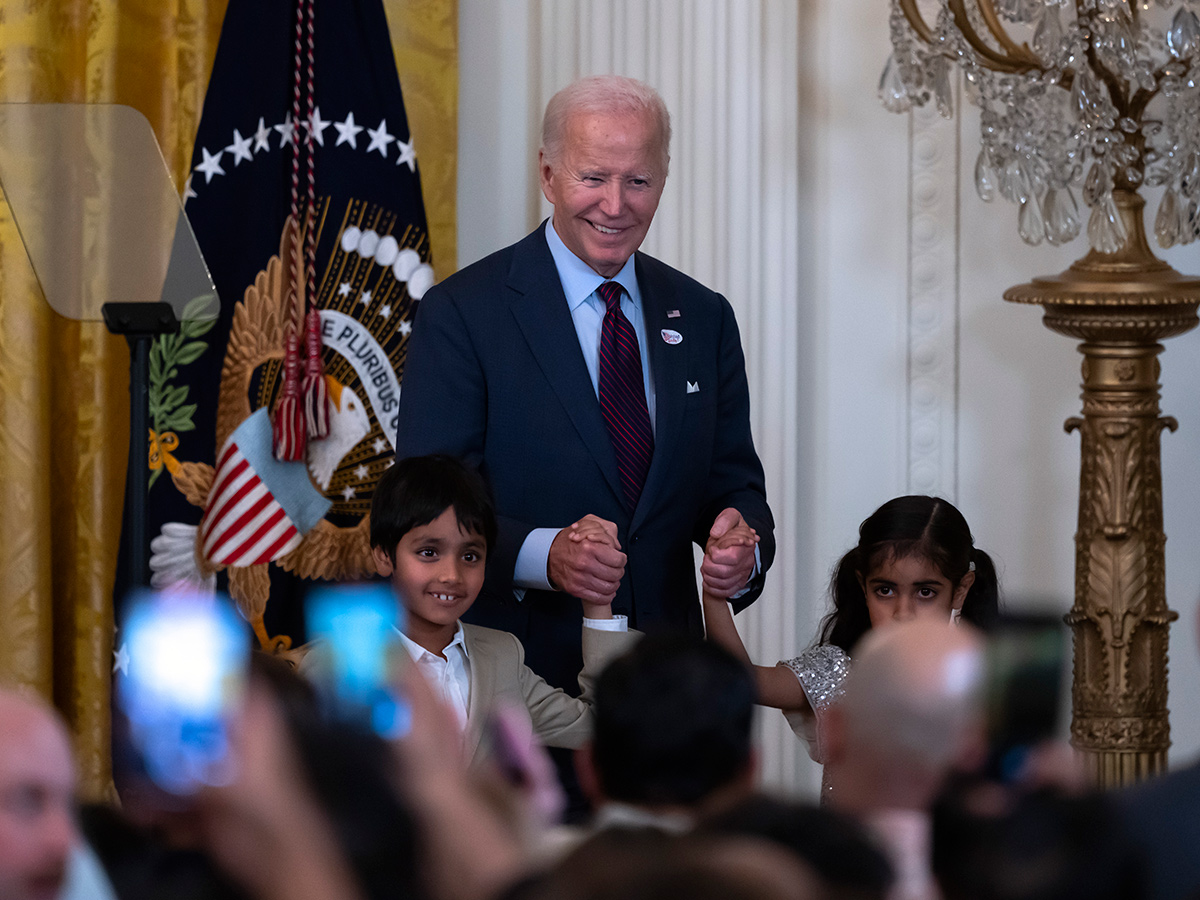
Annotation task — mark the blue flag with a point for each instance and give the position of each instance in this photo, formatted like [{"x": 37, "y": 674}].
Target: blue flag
[{"x": 371, "y": 264}]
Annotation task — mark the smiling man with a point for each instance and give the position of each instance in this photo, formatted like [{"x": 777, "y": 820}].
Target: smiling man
[{"x": 584, "y": 377}]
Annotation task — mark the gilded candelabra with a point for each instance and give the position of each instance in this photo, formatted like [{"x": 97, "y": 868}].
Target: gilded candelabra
[{"x": 1099, "y": 97}]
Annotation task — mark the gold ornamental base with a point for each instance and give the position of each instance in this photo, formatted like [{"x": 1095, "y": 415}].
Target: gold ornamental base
[{"x": 1120, "y": 305}]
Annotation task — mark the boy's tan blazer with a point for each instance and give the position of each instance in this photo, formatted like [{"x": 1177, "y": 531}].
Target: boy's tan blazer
[{"x": 499, "y": 676}]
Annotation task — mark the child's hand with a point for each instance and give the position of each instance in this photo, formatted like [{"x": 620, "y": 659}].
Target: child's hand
[
  {"x": 586, "y": 561},
  {"x": 739, "y": 536},
  {"x": 729, "y": 554},
  {"x": 593, "y": 528}
]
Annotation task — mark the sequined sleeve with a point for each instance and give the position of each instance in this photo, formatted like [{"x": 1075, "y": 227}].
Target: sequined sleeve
[{"x": 822, "y": 672}]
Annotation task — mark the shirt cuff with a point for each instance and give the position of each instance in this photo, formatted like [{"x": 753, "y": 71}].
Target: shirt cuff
[
  {"x": 616, "y": 623},
  {"x": 754, "y": 573},
  {"x": 530, "y": 568}
]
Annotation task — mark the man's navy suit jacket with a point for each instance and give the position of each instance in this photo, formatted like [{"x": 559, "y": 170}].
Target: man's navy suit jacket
[{"x": 495, "y": 375}]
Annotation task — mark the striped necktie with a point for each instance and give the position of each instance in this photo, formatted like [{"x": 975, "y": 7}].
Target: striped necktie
[{"x": 623, "y": 395}]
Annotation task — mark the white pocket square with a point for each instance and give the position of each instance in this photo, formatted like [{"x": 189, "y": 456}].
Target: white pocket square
[{"x": 693, "y": 387}]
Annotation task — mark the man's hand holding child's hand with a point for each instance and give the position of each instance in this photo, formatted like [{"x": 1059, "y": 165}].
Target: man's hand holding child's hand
[
  {"x": 586, "y": 562},
  {"x": 729, "y": 554}
]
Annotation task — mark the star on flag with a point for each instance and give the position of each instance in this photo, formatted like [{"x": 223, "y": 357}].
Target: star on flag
[
  {"x": 211, "y": 165},
  {"x": 380, "y": 138},
  {"x": 316, "y": 126},
  {"x": 287, "y": 131},
  {"x": 240, "y": 148},
  {"x": 347, "y": 131},
  {"x": 407, "y": 155},
  {"x": 261, "y": 136}
]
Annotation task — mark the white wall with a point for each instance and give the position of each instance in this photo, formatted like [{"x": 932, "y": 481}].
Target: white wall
[{"x": 867, "y": 278}]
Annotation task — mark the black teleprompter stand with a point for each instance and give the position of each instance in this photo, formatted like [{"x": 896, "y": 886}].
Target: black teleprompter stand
[{"x": 139, "y": 324}]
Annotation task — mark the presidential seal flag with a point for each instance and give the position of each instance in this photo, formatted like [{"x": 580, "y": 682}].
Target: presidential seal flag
[{"x": 271, "y": 428}]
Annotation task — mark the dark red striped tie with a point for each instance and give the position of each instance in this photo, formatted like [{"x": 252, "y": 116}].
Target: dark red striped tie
[{"x": 623, "y": 395}]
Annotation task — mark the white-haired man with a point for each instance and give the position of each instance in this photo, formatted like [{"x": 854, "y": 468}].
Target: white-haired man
[{"x": 589, "y": 380}]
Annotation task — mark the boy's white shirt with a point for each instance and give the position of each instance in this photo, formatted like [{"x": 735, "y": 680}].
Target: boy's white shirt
[{"x": 451, "y": 677}]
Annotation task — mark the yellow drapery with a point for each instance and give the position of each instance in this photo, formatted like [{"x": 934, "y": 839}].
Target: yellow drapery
[{"x": 64, "y": 403}]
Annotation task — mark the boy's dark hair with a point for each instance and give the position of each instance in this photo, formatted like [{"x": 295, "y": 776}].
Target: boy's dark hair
[
  {"x": 417, "y": 490},
  {"x": 672, "y": 721},
  {"x": 927, "y": 527}
]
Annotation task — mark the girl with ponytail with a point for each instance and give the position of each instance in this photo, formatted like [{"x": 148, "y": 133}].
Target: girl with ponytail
[{"x": 915, "y": 558}]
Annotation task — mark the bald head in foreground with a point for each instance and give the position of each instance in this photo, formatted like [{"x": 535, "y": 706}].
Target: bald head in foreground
[
  {"x": 911, "y": 712},
  {"x": 37, "y": 799}
]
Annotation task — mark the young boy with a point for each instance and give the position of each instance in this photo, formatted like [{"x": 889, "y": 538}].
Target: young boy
[{"x": 432, "y": 526}]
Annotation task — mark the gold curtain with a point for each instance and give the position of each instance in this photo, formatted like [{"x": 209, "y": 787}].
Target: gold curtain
[{"x": 64, "y": 402}]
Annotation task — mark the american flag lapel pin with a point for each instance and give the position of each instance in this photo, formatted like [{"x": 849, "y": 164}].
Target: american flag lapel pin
[{"x": 672, "y": 314}]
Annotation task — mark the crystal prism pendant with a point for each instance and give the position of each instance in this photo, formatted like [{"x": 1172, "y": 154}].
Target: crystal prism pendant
[
  {"x": 985, "y": 178},
  {"x": 1190, "y": 223},
  {"x": 1062, "y": 216},
  {"x": 1096, "y": 184},
  {"x": 1189, "y": 182},
  {"x": 1106, "y": 231},
  {"x": 1184, "y": 34},
  {"x": 1048, "y": 35},
  {"x": 892, "y": 93},
  {"x": 1015, "y": 183},
  {"x": 1030, "y": 224},
  {"x": 1184, "y": 225},
  {"x": 1166, "y": 223},
  {"x": 1082, "y": 94},
  {"x": 942, "y": 92}
]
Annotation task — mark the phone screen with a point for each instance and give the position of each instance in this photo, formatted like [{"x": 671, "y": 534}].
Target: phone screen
[
  {"x": 354, "y": 666},
  {"x": 188, "y": 657},
  {"x": 1026, "y": 660}
]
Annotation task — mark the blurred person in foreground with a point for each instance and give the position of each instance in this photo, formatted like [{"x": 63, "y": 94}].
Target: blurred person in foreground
[
  {"x": 42, "y": 856},
  {"x": 839, "y": 850},
  {"x": 1040, "y": 843},
  {"x": 672, "y": 737},
  {"x": 631, "y": 863},
  {"x": 911, "y": 713}
]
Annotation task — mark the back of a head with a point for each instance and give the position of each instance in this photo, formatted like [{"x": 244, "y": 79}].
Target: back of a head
[
  {"x": 731, "y": 867},
  {"x": 648, "y": 864},
  {"x": 836, "y": 847},
  {"x": 913, "y": 696},
  {"x": 673, "y": 719},
  {"x": 1041, "y": 846}
]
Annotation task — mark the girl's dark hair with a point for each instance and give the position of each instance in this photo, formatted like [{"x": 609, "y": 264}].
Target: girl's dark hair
[
  {"x": 927, "y": 527},
  {"x": 417, "y": 490}
]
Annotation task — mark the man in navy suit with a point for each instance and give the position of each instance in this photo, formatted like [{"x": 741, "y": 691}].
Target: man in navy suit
[{"x": 506, "y": 368}]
